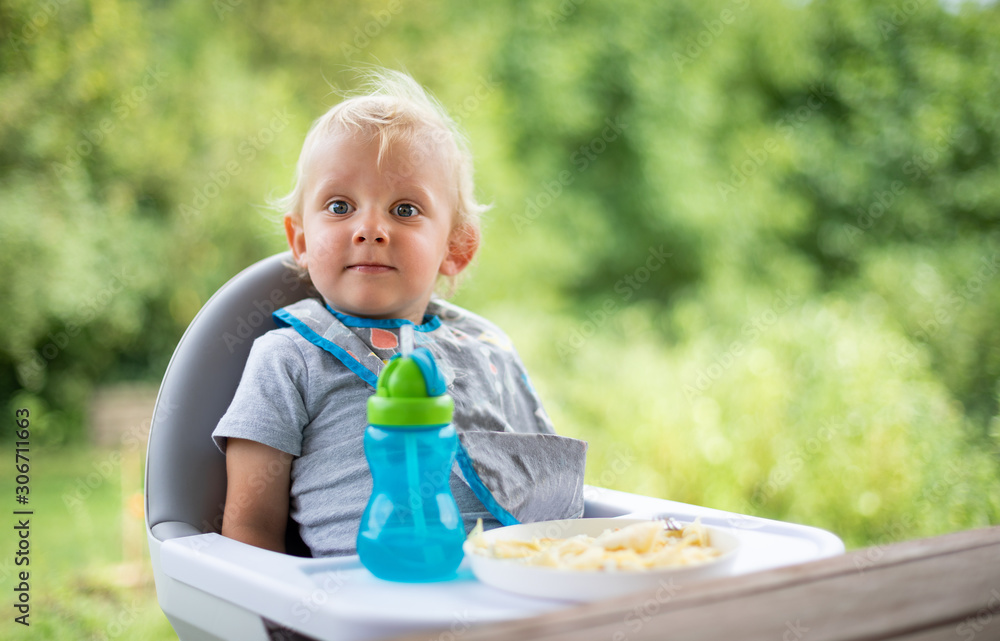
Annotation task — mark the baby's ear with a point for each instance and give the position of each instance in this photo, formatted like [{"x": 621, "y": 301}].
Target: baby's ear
[
  {"x": 462, "y": 247},
  {"x": 296, "y": 240}
]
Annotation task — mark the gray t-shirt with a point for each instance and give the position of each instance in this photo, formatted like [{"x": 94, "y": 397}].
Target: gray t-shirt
[{"x": 297, "y": 398}]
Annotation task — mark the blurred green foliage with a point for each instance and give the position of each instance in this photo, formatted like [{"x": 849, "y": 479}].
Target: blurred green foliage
[{"x": 748, "y": 249}]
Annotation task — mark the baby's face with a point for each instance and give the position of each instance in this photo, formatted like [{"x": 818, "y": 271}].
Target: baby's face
[{"x": 374, "y": 238}]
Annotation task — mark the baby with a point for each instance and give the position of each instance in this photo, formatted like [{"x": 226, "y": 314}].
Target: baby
[{"x": 382, "y": 209}]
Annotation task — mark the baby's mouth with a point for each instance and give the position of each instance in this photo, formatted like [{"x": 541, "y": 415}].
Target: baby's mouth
[{"x": 370, "y": 268}]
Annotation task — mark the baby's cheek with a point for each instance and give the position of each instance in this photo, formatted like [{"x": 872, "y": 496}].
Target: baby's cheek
[{"x": 325, "y": 254}]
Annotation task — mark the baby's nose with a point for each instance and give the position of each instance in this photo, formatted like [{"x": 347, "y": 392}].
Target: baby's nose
[
  {"x": 365, "y": 237},
  {"x": 370, "y": 229}
]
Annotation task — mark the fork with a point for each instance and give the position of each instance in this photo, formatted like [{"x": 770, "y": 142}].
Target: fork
[{"x": 671, "y": 524}]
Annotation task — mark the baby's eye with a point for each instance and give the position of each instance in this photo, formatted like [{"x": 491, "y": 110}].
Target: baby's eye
[
  {"x": 338, "y": 207},
  {"x": 405, "y": 210}
]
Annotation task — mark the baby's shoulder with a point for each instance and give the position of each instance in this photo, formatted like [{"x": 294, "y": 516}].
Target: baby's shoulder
[
  {"x": 281, "y": 344},
  {"x": 284, "y": 353},
  {"x": 277, "y": 339}
]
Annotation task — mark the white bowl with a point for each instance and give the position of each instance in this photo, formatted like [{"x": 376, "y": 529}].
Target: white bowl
[{"x": 591, "y": 585}]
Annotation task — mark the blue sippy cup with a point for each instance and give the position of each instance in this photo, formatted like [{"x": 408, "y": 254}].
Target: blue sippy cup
[{"x": 411, "y": 529}]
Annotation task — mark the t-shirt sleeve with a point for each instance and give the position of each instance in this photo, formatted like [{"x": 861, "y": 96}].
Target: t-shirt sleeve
[{"x": 268, "y": 406}]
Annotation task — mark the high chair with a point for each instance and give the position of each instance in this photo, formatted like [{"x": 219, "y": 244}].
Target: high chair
[{"x": 211, "y": 587}]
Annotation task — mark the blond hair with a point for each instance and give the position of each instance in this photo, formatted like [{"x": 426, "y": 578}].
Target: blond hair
[{"x": 394, "y": 108}]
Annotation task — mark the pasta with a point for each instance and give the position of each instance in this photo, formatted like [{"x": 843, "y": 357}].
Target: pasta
[{"x": 640, "y": 546}]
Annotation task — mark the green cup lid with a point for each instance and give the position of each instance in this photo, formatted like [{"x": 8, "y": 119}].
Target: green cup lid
[{"x": 411, "y": 392}]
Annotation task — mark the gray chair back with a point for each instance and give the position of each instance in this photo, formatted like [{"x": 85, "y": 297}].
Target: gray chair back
[{"x": 185, "y": 473}]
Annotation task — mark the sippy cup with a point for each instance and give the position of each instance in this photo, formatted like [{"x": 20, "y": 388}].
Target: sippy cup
[{"x": 411, "y": 529}]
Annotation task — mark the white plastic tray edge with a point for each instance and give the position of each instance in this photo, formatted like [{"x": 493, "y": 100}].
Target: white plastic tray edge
[
  {"x": 276, "y": 586},
  {"x": 283, "y": 588}
]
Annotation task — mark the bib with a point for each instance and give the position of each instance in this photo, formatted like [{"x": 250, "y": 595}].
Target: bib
[{"x": 508, "y": 452}]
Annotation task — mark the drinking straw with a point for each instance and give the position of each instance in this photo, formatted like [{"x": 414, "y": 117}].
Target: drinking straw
[{"x": 412, "y": 469}]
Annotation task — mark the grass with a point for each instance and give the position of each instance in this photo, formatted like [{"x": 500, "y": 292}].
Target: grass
[{"x": 90, "y": 576}]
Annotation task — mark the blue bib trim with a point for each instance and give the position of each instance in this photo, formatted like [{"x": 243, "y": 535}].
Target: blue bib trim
[
  {"x": 480, "y": 490},
  {"x": 284, "y": 319},
  {"x": 429, "y": 325}
]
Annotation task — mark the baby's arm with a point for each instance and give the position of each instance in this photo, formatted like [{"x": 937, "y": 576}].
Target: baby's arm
[
  {"x": 257, "y": 496},
  {"x": 261, "y": 433}
]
